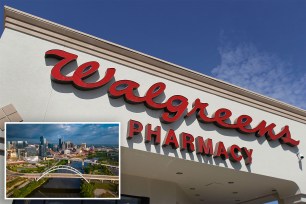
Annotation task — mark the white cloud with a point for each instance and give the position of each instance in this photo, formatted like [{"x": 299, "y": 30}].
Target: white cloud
[
  {"x": 262, "y": 72},
  {"x": 113, "y": 130}
]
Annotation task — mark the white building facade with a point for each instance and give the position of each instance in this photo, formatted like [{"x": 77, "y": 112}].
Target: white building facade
[{"x": 185, "y": 137}]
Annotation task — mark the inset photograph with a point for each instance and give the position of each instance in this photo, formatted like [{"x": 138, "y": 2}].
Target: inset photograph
[{"x": 62, "y": 161}]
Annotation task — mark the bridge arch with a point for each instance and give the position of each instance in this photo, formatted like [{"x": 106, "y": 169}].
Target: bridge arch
[{"x": 65, "y": 167}]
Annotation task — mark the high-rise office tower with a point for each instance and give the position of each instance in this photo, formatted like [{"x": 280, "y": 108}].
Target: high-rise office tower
[
  {"x": 43, "y": 147},
  {"x": 60, "y": 143}
]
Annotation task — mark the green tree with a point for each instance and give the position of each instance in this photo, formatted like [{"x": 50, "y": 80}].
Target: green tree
[{"x": 87, "y": 190}]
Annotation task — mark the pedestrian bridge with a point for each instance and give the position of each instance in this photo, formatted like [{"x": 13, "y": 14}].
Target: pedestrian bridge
[
  {"x": 75, "y": 174},
  {"x": 63, "y": 167}
]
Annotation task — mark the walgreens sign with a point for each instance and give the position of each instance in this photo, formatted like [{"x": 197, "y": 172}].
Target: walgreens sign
[{"x": 174, "y": 108}]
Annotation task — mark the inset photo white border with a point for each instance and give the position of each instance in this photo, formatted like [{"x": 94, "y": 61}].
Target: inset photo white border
[{"x": 37, "y": 136}]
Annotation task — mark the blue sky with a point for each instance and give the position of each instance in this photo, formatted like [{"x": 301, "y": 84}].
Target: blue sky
[
  {"x": 259, "y": 45},
  {"x": 76, "y": 133}
]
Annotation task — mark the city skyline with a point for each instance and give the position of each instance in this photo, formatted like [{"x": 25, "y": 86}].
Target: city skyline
[{"x": 77, "y": 133}]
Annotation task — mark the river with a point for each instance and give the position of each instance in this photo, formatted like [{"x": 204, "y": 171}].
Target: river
[{"x": 60, "y": 188}]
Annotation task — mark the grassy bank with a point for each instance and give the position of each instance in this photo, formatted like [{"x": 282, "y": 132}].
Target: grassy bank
[
  {"x": 15, "y": 181},
  {"x": 87, "y": 189},
  {"x": 25, "y": 191},
  {"x": 97, "y": 169},
  {"x": 104, "y": 158}
]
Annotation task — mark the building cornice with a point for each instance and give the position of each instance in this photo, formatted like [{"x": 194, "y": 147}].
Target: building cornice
[{"x": 62, "y": 35}]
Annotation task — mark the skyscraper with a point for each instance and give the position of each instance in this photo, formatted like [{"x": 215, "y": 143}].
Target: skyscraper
[
  {"x": 43, "y": 147},
  {"x": 43, "y": 140},
  {"x": 19, "y": 145},
  {"x": 67, "y": 144},
  {"x": 60, "y": 143},
  {"x": 31, "y": 151},
  {"x": 8, "y": 145},
  {"x": 21, "y": 153}
]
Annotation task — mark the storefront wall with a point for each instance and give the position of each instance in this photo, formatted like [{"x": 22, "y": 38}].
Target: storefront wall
[{"x": 25, "y": 82}]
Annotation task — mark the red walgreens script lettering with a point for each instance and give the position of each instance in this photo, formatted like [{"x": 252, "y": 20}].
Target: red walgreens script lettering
[
  {"x": 82, "y": 72},
  {"x": 174, "y": 107}
]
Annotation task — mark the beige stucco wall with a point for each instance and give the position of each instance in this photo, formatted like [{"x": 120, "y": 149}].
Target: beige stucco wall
[{"x": 159, "y": 192}]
